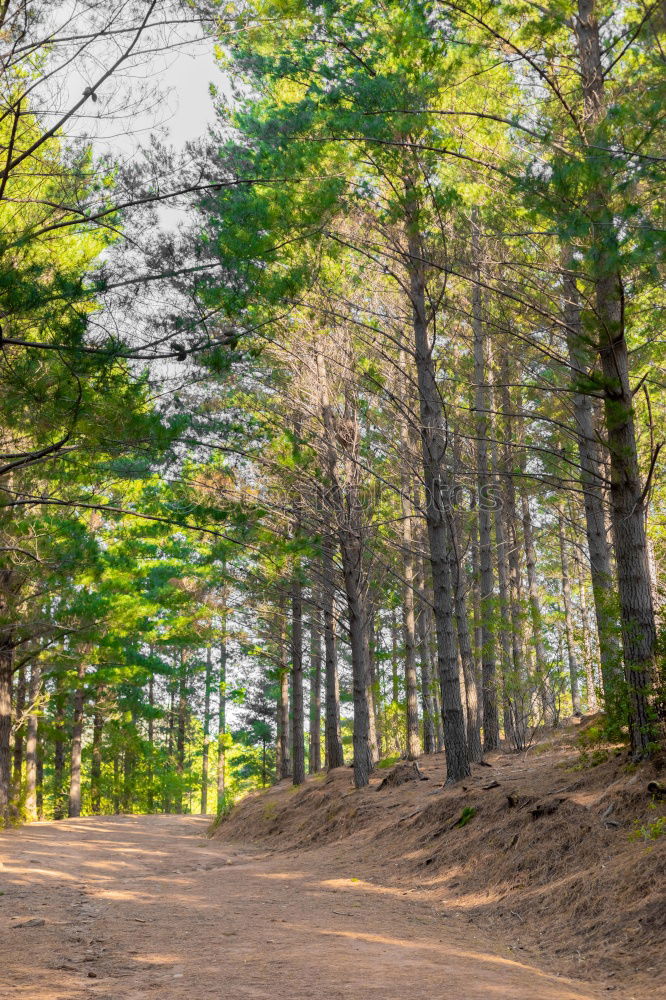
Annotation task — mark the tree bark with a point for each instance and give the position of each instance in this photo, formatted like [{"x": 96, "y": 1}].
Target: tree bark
[
  {"x": 31, "y": 743},
  {"x": 74, "y": 806},
  {"x": 96, "y": 763},
  {"x": 284, "y": 741},
  {"x": 206, "y": 732},
  {"x": 639, "y": 634},
  {"x": 59, "y": 751},
  {"x": 314, "y": 757},
  {"x": 408, "y": 613},
  {"x": 222, "y": 714},
  {"x": 593, "y": 483},
  {"x": 334, "y": 754},
  {"x": 568, "y": 618},
  {"x": 490, "y": 713},
  {"x": 18, "y": 731},
  {"x": 180, "y": 734},
  {"x": 472, "y": 713},
  {"x": 433, "y": 442},
  {"x": 6, "y": 679},
  {"x": 423, "y": 641},
  {"x": 540, "y": 662},
  {"x": 298, "y": 727}
]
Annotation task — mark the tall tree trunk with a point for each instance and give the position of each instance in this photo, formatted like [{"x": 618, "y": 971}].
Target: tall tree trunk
[
  {"x": 74, "y": 806},
  {"x": 59, "y": 751},
  {"x": 39, "y": 794},
  {"x": 591, "y": 699},
  {"x": 471, "y": 700},
  {"x": 298, "y": 726},
  {"x": 505, "y": 616},
  {"x": 540, "y": 662},
  {"x": 180, "y": 735},
  {"x": 206, "y": 732},
  {"x": 334, "y": 754},
  {"x": 408, "y": 613},
  {"x": 568, "y": 617},
  {"x": 19, "y": 706},
  {"x": 482, "y": 376},
  {"x": 171, "y": 725},
  {"x": 345, "y": 501},
  {"x": 521, "y": 692},
  {"x": 423, "y": 641},
  {"x": 96, "y": 763},
  {"x": 6, "y": 678},
  {"x": 352, "y": 572},
  {"x": 31, "y": 743},
  {"x": 284, "y": 741},
  {"x": 151, "y": 738},
  {"x": 433, "y": 442},
  {"x": 222, "y": 714},
  {"x": 593, "y": 483},
  {"x": 314, "y": 757},
  {"x": 639, "y": 634}
]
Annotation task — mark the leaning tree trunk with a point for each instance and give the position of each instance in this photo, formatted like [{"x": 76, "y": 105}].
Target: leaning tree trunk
[{"x": 433, "y": 443}]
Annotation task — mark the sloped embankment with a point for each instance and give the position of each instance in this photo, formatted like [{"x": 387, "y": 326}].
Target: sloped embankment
[{"x": 543, "y": 853}]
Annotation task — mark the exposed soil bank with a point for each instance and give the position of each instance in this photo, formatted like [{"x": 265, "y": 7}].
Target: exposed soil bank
[
  {"x": 547, "y": 863},
  {"x": 129, "y": 908}
]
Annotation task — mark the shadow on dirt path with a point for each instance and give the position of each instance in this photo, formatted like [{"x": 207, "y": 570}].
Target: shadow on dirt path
[{"x": 134, "y": 907}]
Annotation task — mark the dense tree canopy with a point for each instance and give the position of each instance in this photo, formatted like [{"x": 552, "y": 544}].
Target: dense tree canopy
[{"x": 362, "y": 459}]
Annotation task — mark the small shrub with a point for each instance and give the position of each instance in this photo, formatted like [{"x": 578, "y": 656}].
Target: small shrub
[
  {"x": 468, "y": 813},
  {"x": 649, "y": 831}
]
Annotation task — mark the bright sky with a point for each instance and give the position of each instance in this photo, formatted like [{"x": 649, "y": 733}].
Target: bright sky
[{"x": 127, "y": 112}]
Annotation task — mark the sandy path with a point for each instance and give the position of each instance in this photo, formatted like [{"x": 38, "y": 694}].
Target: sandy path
[{"x": 126, "y": 908}]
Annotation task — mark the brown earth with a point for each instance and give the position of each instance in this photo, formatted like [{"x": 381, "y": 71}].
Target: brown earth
[
  {"x": 369, "y": 901},
  {"x": 550, "y": 866}
]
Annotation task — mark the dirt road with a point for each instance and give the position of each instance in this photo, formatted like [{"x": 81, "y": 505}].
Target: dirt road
[{"x": 127, "y": 908}]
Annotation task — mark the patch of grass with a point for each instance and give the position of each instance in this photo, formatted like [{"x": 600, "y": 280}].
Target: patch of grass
[
  {"x": 223, "y": 812},
  {"x": 649, "y": 831},
  {"x": 468, "y": 814},
  {"x": 389, "y": 761},
  {"x": 270, "y": 811}
]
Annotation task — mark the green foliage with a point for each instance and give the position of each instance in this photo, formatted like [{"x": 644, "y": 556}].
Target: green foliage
[{"x": 466, "y": 816}]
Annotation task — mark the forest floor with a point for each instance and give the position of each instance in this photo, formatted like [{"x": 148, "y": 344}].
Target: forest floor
[{"x": 134, "y": 907}]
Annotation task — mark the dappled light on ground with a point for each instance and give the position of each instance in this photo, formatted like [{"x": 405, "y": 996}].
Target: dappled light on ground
[{"x": 183, "y": 916}]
